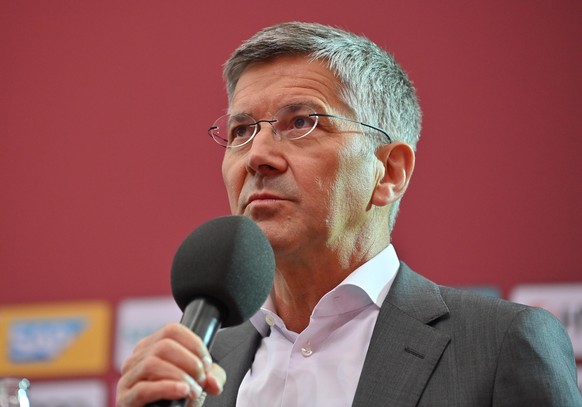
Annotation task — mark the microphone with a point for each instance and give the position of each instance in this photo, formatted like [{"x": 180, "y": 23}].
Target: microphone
[{"x": 221, "y": 275}]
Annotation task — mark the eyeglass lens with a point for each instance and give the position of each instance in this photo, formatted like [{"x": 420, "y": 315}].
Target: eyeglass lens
[{"x": 292, "y": 122}]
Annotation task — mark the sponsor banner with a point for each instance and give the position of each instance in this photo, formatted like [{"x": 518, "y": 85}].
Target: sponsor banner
[
  {"x": 74, "y": 393},
  {"x": 54, "y": 339},
  {"x": 562, "y": 300},
  {"x": 139, "y": 317}
]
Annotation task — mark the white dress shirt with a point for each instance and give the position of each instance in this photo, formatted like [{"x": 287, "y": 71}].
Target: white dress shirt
[{"x": 320, "y": 366}]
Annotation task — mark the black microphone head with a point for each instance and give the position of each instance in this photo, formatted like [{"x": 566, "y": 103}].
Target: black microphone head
[{"x": 227, "y": 261}]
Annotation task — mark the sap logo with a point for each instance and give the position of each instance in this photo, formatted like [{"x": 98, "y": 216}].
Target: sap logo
[{"x": 35, "y": 341}]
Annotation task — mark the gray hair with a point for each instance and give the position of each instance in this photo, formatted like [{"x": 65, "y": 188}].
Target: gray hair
[{"x": 372, "y": 83}]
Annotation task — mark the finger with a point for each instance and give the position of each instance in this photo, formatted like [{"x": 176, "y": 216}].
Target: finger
[
  {"x": 150, "y": 391},
  {"x": 215, "y": 379},
  {"x": 165, "y": 359},
  {"x": 142, "y": 347},
  {"x": 150, "y": 369},
  {"x": 180, "y": 334}
]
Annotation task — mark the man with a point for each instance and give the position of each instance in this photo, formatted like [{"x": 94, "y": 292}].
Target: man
[{"x": 320, "y": 141}]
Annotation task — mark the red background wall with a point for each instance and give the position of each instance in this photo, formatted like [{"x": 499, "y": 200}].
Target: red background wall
[{"x": 105, "y": 164}]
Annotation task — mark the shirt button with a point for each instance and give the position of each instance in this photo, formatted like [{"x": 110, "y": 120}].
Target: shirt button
[
  {"x": 306, "y": 350},
  {"x": 270, "y": 320}
]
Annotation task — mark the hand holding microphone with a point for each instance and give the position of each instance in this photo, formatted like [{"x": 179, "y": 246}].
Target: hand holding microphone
[{"x": 221, "y": 275}]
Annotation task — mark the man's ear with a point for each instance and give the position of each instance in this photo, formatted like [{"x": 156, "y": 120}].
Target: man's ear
[{"x": 396, "y": 164}]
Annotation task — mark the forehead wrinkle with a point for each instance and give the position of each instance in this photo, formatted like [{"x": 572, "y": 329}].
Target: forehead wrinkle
[
  {"x": 287, "y": 84},
  {"x": 286, "y": 95}
]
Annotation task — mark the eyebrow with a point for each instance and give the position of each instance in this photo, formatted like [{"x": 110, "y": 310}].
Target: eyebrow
[
  {"x": 317, "y": 107},
  {"x": 239, "y": 116}
]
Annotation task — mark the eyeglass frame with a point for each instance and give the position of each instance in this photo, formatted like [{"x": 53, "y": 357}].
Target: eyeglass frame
[{"x": 257, "y": 125}]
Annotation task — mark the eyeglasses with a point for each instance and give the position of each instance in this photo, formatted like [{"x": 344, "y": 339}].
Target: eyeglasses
[{"x": 292, "y": 122}]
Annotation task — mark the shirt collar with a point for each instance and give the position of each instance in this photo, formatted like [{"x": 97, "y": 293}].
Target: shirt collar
[
  {"x": 368, "y": 284},
  {"x": 375, "y": 277}
]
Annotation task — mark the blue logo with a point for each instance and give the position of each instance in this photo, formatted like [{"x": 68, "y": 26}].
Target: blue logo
[{"x": 37, "y": 341}]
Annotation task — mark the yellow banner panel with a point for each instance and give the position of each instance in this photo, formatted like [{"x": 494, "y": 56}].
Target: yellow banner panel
[{"x": 55, "y": 339}]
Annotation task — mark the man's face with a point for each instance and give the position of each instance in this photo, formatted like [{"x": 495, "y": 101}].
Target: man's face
[{"x": 306, "y": 194}]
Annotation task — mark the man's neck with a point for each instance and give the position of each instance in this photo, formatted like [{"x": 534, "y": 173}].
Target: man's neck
[
  {"x": 299, "y": 285},
  {"x": 295, "y": 297}
]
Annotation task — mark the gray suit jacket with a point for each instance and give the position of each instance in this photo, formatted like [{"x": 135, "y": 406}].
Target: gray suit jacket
[{"x": 438, "y": 346}]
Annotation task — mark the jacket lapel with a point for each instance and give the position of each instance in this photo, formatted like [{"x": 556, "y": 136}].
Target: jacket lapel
[
  {"x": 235, "y": 352},
  {"x": 404, "y": 349}
]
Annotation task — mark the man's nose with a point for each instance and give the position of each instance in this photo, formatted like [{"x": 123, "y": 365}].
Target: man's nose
[{"x": 265, "y": 153}]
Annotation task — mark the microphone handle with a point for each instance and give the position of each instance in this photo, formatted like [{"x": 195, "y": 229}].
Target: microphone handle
[{"x": 203, "y": 318}]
